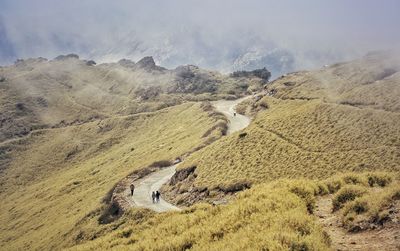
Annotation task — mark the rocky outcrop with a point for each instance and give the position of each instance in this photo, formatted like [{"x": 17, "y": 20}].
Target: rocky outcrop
[
  {"x": 90, "y": 63},
  {"x": 181, "y": 175},
  {"x": 148, "y": 64},
  {"x": 65, "y": 57}
]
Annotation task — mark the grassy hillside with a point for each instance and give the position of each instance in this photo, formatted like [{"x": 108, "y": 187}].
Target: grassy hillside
[
  {"x": 37, "y": 93},
  {"x": 347, "y": 122},
  {"x": 56, "y": 177},
  {"x": 328, "y": 137},
  {"x": 302, "y": 131},
  {"x": 274, "y": 216}
]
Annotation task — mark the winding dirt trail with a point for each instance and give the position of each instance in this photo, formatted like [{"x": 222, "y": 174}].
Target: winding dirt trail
[{"x": 153, "y": 182}]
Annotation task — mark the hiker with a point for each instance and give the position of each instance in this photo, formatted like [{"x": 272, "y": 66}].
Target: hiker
[
  {"x": 158, "y": 196},
  {"x": 234, "y": 114},
  {"x": 132, "y": 188},
  {"x": 153, "y": 197}
]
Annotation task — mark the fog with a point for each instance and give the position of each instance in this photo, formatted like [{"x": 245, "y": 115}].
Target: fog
[{"x": 225, "y": 35}]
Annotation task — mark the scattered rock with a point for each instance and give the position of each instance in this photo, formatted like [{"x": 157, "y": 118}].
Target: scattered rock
[
  {"x": 20, "y": 106},
  {"x": 91, "y": 63}
]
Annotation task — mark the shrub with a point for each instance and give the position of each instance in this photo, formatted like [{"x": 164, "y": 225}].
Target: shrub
[
  {"x": 161, "y": 163},
  {"x": 221, "y": 126},
  {"x": 242, "y": 135},
  {"x": 260, "y": 73},
  {"x": 322, "y": 189},
  {"x": 306, "y": 193},
  {"x": 346, "y": 194},
  {"x": 353, "y": 179},
  {"x": 110, "y": 213},
  {"x": 358, "y": 206},
  {"x": 333, "y": 185},
  {"x": 263, "y": 104},
  {"x": 380, "y": 179}
]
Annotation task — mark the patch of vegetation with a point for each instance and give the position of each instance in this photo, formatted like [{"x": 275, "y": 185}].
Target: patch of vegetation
[
  {"x": 372, "y": 209},
  {"x": 263, "y": 73},
  {"x": 346, "y": 194},
  {"x": 363, "y": 204},
  {"x": 273, "y": 216},
  {"x": 161, "y": 163}
]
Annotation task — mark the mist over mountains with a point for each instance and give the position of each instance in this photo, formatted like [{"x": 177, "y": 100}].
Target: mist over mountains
[{"x": 226, "y": 36}]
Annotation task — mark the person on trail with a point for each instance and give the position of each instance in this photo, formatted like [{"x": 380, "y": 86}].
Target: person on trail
[
  {"x": 234, "y": 114},
  {"x": 158, "y": 196},
  {"x": 153, "y": 197},
  {"x": 132, "y": 188}
]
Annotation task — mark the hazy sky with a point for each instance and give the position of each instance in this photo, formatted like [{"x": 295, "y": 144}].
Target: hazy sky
[{"x": 205, "y": 32}]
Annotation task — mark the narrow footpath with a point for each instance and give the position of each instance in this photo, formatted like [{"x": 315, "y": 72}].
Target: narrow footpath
[{"x": 153, "y": 182}]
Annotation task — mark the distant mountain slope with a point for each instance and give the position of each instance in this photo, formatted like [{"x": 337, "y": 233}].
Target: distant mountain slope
[{"x": 37, "y": 93}]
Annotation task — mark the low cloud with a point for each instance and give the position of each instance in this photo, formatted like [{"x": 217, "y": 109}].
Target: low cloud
[{"x": 226, "y": 34}]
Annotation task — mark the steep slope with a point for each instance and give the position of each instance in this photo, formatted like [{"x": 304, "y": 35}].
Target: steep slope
[
  {"x": 311, "y": 124},
  {"x": 58, "y": 176}
]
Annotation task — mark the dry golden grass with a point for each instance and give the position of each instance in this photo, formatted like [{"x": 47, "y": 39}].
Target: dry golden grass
[
  {"x": 266, "y": 217},
  {"x": 274, "y": 216},
  {"x": 57, "y": 177},
  {"x": 39, "y": 93},
  {"x": 372, "y": 81},
  {"x": 337, "y": 119},
  {"x": 296, "y": 138},
  {"x": 365, "y": 200}
]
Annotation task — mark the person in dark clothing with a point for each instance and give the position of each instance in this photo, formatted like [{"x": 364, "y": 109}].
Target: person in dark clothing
[
  {"x": 153, "y": 197},
  {"x": 132, "y": 188},
  {"x": 158, "y": 196},
  {"x": 234, "y": 114}
]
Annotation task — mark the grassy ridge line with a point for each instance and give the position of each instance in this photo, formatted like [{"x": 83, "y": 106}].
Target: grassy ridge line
[
  {"x": 49, "y": 196},
  {"x": 37, "y": 92}
]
